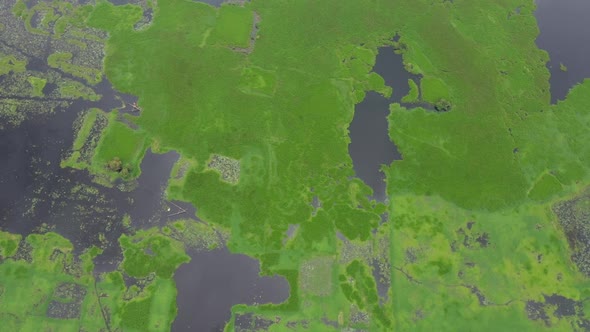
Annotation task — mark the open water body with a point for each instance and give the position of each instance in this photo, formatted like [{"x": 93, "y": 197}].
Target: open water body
[
  {"x": 370, "y": 146},
  {"x": 217, "y": 280},
  {"x": 37, "y": 194},
  {"x": 565, "y": 35}
]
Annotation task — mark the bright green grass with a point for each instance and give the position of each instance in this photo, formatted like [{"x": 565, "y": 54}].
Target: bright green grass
[
  {"x": 257, "y": 81},
  {"x": 8, "y": 244},
  {"x": 9, "y": 63},
  {"x": 517, "y": 238},
  {"x": 37, "y": 84},
  {"x": 75, "y": 90},
  {"x": 155, "y": 313},
  {"x": 414, "y": 93},
  {"x": 27, "y": 290},
  {"x": 233, "y": 26},
  {"x": 119, "y": 141},
  {"x": 84, "y": 130},
  {"x": 116, "y": 141},
  {"x": 546, "y": 187},
  {"x": 63, "y": 61},
  {"x": 433, "y": 89},
  {"x": 148, "y": 252}
]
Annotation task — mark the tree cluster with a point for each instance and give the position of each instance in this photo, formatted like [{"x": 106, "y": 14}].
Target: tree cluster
[
  {"x": 443, "y": 105},
  {"x": 116, "y": 165}
]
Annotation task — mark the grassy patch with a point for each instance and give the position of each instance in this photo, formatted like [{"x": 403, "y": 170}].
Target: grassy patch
[
  {"x": 433, "y": 89},
  {"x": 414, "y": 93},
  {"x": 75, "y": 90},
  {"x": 148, "y": 252},
  {"x": 119, "y": 142},
  {"x": 38, "y": 84},
  {"x": 545, "y": 188},
  {"x": 257, "y": 81},
  {"x": 233, "y": 26},
  {"x": 8, "y": 244},
  {"x": 63, "y": 61},
  {"x": 9, "y": 63},
  {"x": 64, "y": 294}
]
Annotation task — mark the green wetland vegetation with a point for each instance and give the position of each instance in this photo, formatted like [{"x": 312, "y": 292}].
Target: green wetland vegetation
[{"x": 486, "y": 221}]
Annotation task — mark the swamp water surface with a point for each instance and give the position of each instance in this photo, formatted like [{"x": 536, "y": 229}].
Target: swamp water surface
[
  {"x": 565, "y": 35},
  {"x": 370, "y": 146},
  {"x": 216, "y": 280}
]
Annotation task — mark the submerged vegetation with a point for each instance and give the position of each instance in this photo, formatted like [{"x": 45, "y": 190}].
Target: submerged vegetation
[{"x": 486, "y": 219}]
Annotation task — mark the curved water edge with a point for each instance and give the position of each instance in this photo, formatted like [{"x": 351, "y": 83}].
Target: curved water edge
[
  {"x": 564, "y": 35},
  {"x": 214, "y": 281},
  {"x": 370, "y": 146}
]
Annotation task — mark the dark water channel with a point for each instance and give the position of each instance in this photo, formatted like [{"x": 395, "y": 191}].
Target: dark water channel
[
  {"x": 565, "y": 35},
  {"x": 370, "y": 146}
]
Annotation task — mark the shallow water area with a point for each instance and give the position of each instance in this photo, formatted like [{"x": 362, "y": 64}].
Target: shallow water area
[
  {"x": 38, "y": 194},
  {"x": 213, "y": 281},
  {"x": 31, "y": 177},
  {"x": 564, "y": 27}
]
